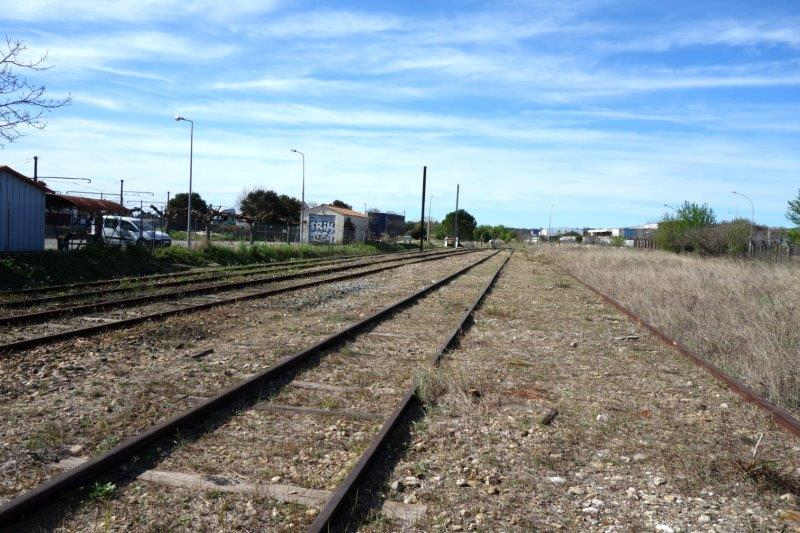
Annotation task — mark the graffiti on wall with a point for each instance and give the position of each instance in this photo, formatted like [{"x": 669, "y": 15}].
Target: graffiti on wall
[{"x": 321, "y": 228}]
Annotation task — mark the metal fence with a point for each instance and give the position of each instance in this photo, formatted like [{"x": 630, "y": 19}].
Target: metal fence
[{"x": 258, "y": 232}]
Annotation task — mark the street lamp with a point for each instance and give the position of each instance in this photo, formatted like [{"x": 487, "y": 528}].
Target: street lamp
[
  {"x": 302, "y": 192},
  {"x": 189, "y": 200},
  {"x": 752, "y": 219}
]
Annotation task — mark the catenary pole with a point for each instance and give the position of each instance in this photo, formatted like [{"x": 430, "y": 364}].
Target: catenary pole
[
  {"x": 422, "y": 215},
  {"x": 457, "y": 229}
]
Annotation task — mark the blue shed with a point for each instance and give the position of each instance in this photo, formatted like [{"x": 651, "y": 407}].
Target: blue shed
[{"x": 22, "y": 208}]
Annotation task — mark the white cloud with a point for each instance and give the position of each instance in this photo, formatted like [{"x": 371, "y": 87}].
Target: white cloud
[
  {"x": 306, "y": 86},
  {"x": 99, "y": 50},
  {"x": 132, "y": 10},
  {"x": 326, "y": 24},
  {"x": 735, "y": 33}
]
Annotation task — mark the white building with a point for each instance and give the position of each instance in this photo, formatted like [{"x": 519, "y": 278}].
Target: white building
[{"x": 334, "y": 225}]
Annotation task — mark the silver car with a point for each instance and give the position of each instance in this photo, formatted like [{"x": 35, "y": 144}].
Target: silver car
[{"x": 121, "y": 231}]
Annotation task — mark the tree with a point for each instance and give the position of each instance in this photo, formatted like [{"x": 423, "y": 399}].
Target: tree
[
  {"x": 793, "y": 213},
  {"x": 269, "y": 207},
  {"x": 339, "y": 203},
  {"x": 22, "y": 104},
  {"x": 483, "y": 233},
  {"x": 176, "y": 210},
  {"x": 683, "y": 232},
  {"x": 694, "y": 215},
  {"x": 466, "y": 224}
]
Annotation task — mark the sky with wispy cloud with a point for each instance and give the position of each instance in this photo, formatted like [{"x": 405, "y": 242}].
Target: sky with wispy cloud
[{"x": 601, "y": 111}]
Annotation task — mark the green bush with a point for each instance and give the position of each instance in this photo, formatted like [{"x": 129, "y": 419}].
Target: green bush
[{"x": 95, "y": 261}]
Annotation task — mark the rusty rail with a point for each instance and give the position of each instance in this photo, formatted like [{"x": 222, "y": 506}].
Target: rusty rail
[
  {"x": 127, "y": 322},
  {"x": 187, "y": 278},
  {"x": 104, "y": 305},
  {"x": 781, "y": 416},
  {"x": 191, "y": 272},
  {"x": 328, "y": 518},
  {"x": 55, "y": 488}
]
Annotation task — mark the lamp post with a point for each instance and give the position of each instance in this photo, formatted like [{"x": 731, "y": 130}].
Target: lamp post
[
  {"x": 302, "y": 192},
  {"x": 752, "y": 220},
  {"x": 189, "y": 200}
]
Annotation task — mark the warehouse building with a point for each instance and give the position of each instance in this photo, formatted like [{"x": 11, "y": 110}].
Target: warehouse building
[
  {"x": 385, "y": 225},
  {"x": 334, "y": 225},
  {"x": 22, "y": 209}
]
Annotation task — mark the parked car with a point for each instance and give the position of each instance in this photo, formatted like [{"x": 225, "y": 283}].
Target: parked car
[{"x": 121, "y": 231}]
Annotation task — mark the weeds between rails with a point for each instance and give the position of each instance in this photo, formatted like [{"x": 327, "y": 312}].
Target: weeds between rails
[
  {"x": 99, "y": 261},
  {"x": 188, "y": 278},
  {"x": 741, "y": 315},
  {"x": 102, "y": 305},
  {"x": 224, "y": 405},
  {"x": 47, "y": 289},
  {"x": 40, "y": 340}
]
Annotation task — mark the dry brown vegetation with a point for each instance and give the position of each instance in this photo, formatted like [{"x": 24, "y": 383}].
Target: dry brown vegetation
[{"x": 744, "y": 316}]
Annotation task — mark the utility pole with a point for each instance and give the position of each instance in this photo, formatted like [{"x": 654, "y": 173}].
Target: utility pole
[
  {"x": 121, "y": 200},
  {"x": 422, "y": 216},
  {"x": 35, "y": 168},
  {"x": 457, "y": 191},
  {"x": 428, "y": 235}
]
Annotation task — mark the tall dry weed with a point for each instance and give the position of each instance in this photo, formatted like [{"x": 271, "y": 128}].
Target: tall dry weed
[{"x": 744, "y": 316}]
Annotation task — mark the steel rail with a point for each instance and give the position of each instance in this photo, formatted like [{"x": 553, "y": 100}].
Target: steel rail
[
  {"x": 190, "y": 272},
  {"x": 251, "y": 270},
  {"x": 56, "y": 487},
  {"x": 104, "y": 305},
  {"x": 781, "y": 416},
  {"x": 24, "y": 344},
  {"x": 327, "y": 519}
]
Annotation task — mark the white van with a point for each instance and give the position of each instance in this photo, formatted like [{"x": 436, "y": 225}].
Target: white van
[{"x": 120, "y": 231}]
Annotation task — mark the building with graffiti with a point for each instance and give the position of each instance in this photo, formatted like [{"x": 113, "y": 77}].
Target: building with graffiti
[{"x": 333, "y": 225}]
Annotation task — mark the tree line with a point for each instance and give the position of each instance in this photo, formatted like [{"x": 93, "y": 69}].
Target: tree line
[{"x": 694, "y": 228}]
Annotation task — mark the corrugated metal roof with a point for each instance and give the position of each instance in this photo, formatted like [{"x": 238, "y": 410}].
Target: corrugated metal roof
[
  {"x": 22, "y": 177},
  {"x": 91, "y": 204}
]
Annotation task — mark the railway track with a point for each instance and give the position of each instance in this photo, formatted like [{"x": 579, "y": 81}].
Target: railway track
[
  {"x": 96, "y": 289},
  {"x": 782, "y": 417},
  {"x": 155, "y": 307},
  {"x": 365, "y": 367},
  {"x": 36, "y": 307}
]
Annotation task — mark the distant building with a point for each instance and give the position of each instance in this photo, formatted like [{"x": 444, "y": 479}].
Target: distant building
[
  {"x": 629, "y": 234},
  {"x": 385, "y": 225},
  {"x": 22, "y": 208},
  {"x": 334, "y": 225}
]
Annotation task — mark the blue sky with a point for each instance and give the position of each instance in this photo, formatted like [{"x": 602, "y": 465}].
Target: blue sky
[{"x": 604, "y": 110}]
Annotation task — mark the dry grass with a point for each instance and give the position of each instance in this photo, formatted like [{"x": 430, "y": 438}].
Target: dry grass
[{"x": 741, "y": 315}]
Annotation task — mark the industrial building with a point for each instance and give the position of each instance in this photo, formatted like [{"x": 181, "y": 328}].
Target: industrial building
[
  {"x": 385, "y": 225},
  {"x": 22, "y": 209},
  {"x": 334, "y": 225}
]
